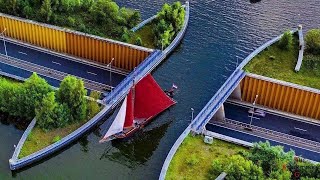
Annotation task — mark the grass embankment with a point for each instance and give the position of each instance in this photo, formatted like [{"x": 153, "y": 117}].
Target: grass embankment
[
  {"x": 147, "y": 36},
  {"x": 279, "y": 64},
  {"x": 39, "y": 139},
  {"x": 194, "y": 157}
]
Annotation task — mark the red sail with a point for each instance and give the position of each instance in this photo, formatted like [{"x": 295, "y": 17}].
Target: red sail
[
  {"x": 129, "y": 113},
  {"x": 150, "y": 100}
]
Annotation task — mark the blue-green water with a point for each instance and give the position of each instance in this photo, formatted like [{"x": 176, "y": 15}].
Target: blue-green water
[{"x": 218, "y": 33}]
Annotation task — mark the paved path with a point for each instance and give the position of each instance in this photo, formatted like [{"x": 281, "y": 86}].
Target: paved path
[
  {"x": 301, "y": 46},
  {"x": 85, "y": 71},
  {"x": 315, "y": 156},
  {"x": 274, "y": 122}
]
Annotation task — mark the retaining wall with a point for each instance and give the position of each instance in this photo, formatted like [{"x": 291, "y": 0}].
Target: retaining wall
[
  {"x": 74, "y": 43},
  {"x": 281, "y": 95}
]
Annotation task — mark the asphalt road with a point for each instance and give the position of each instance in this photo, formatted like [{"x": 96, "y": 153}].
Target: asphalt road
[
  {"x": 250, "y": 138},
  {"x": 62, "y": 64},
  {"x": 273, "y": 122},
  {"x": 25, "y": 74}
]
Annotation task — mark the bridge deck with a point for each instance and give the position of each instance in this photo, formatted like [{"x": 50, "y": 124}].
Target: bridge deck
[
  {"x": 217, "y": 100},
  {"x": 95, "y": 77}
]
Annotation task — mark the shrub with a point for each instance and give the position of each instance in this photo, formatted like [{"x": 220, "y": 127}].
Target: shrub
[
  {"x": 138, "y": 41},
  {"x": 312, "y": 40},
  {"x": 93, "y": 106},
  {"x": 192, "y": 160},
  {"x": 285, "y": 42},
  {"x": 56, "y": 139}
]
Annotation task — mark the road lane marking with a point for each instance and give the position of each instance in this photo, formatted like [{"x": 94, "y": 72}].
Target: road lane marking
[
  {"x": 91, "y": 73},
  {"x": 56, "y": 63},
  {"x": 253, "y": 117},
  {"x": 300, "y": 129},
  {"x": 23, "y": 53}
]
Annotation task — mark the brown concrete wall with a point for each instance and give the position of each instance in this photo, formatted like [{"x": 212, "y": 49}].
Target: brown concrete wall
[{"x": 282, "y": 96}]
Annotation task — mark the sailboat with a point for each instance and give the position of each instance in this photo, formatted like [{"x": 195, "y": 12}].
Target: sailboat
[{"x": 144, "y": 101}]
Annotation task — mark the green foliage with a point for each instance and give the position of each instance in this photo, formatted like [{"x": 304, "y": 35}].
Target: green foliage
[
  {"x": 270, "y": 158},
  {"x": 34, "y": 90},
  {"x": 56, "y": 139},
  {"x": 192, "y": 160},
  {"x": 312, "y": 40},
  {"x": 169, "y": 22},
  {"x": 308, "y": 170},
  {"x": 72, "y": 94},
  {"x": 21, "y": 99},
  {"x": 138, "y": 41},
  {"x": 99, "y": 17},
  {"x": 93, "y": 105},
  {"x": 240, "y": 168},
  {"x": 285, "y": 42},
  {"x": 46, "y": 11}
]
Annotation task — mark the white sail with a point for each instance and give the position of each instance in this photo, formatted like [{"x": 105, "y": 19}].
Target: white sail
[{"x": 118, "y": 123}]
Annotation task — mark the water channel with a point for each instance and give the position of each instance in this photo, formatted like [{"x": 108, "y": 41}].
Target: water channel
[{"x": 219, "y": 33}]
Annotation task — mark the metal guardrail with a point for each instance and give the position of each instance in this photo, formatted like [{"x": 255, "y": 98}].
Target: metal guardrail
[
  {"x": 214, "y": 104},
  {"x": 276, "y": 134},
  {"x": 143, "y": 23},
  {"x": 50, "y": 72},
  {"x": 127, "y": 83}
]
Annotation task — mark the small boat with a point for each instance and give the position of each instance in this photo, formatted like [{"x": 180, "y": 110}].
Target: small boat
[
  {"x": 257, "y": 112},
  {"x": 144, "y": 101}
]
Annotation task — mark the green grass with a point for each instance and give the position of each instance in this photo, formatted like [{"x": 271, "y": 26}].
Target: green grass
[
  {"x": 39, "y": 139},
  {"x": 147, "y": 36},
  {"x": 194, "y": 158},
  {"x": 279, "y": 64}
]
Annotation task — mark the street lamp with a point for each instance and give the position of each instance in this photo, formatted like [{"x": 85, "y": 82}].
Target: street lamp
[
  {"x": 192, "y": 112},
  {"x": 109, "y": 65},
  {"x": 4, "y": 42},
  {"x": 254, "y": 103}
]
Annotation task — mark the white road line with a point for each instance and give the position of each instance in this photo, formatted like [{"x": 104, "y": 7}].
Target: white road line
[
  {"x": 254, "y": 117},
  {"x": 23, "y": 53},
  {"x": 91, "y": 73},
  {"x": 56, "y": 63},
  {"x": 300, "y": 129}
]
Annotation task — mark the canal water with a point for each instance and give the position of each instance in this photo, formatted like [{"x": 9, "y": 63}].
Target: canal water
[{"x": 220, "y": 33}]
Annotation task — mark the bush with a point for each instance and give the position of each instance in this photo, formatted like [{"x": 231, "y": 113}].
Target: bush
[
  {"x": 312, "y": 40},
  {"x": 285, "y": 42},
  {"x": 169, "y": 22},
  {"x": 56, "y": 139},
  {"x": 93, "y": 105},
  {"x": 138, "y": 41},
  {"x": 192, "y": 160}
]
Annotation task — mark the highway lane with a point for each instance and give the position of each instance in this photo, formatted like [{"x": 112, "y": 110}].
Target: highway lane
[
  {"x": 26, "y": 74},
  {"x": 250, "y": 138},
  {"x": 274, "y": 122},
  {"x": 62, "y": 64}
]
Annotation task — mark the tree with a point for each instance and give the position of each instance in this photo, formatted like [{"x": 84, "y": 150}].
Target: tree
[
  {"x": 45, "y": 10},
  {"x": 93, "y": 105},
  {"x": 285, "y": 42},
  {"x": 237, "y": 168},
  {"x": 72, "y": 93},
  {"x": 270, "y": 158},
  {"x": 36, "y": 88},
  {"x": 138, "y": 41},
  {"x": 45, "y": 112},
  {"x": 240, "y": 168},
  {"x": 312, "y": 40}
]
